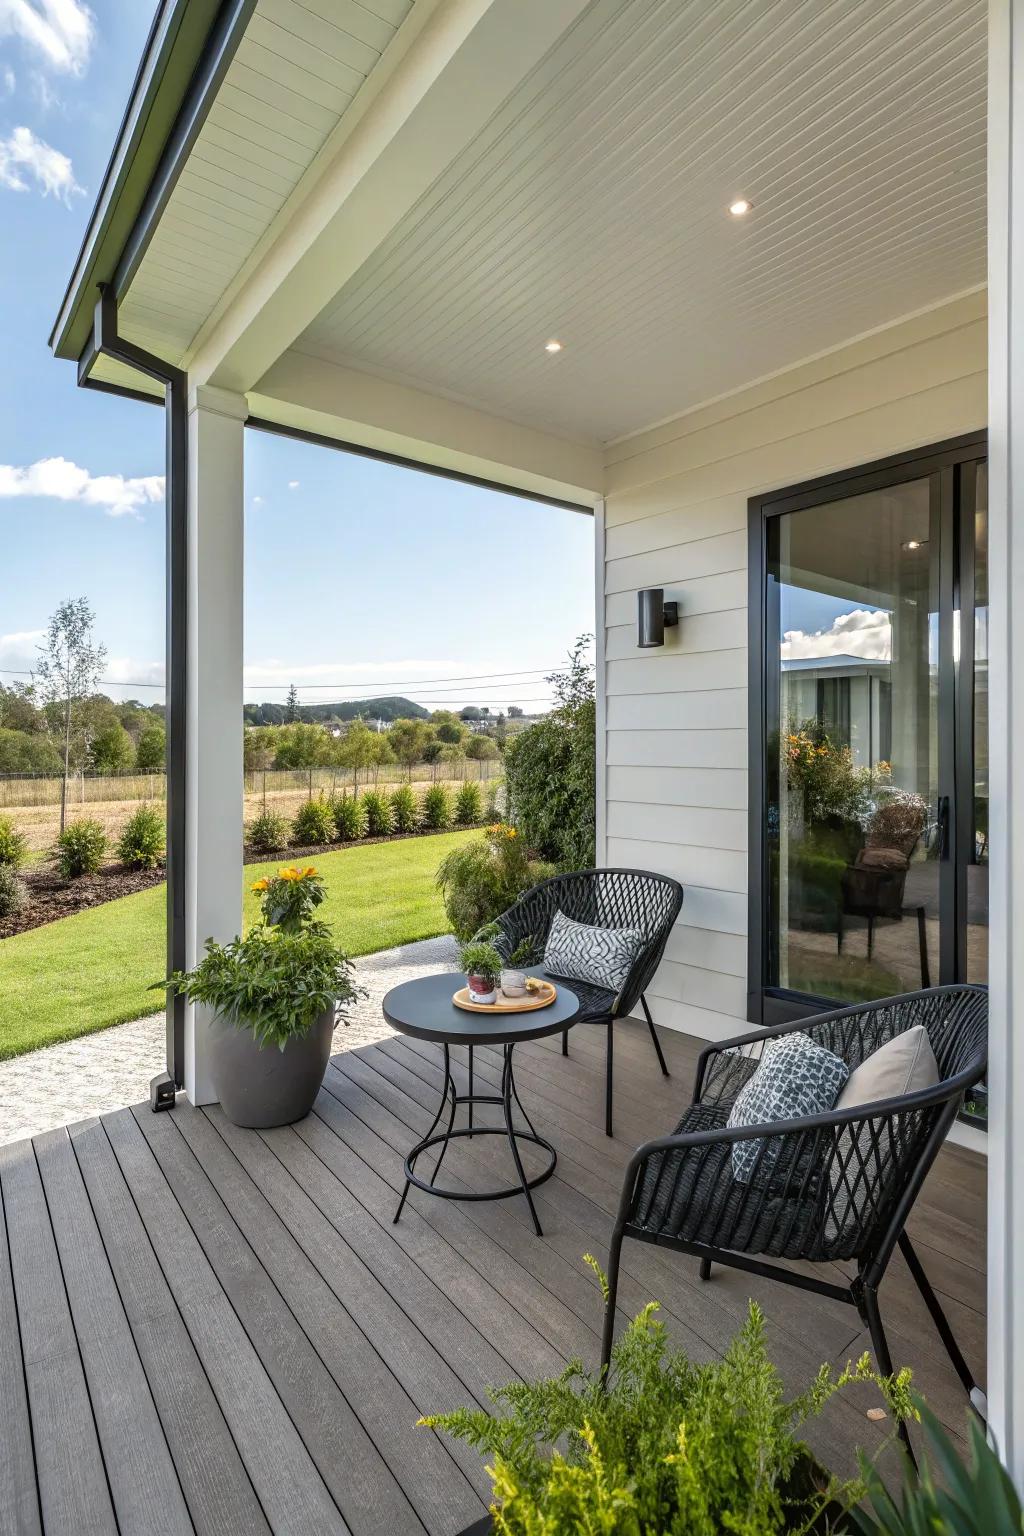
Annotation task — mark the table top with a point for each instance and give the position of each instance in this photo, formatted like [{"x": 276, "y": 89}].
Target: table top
[{"x": 424, "y": 1008}]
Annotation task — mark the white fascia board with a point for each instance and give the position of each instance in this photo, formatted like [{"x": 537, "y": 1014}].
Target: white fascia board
[
  {"x": 468, "y": 58},
  {"x": 311, "y": 395}
]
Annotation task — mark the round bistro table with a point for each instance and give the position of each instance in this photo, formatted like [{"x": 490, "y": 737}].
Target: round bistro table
[{"x": 424, "y": 1010}]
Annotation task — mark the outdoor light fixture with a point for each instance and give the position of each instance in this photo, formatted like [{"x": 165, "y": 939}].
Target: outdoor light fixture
[
  {"x": 654, "y": 616},
  {"x": 740, "y": 207},
  {"x": 552, "y": 346}
]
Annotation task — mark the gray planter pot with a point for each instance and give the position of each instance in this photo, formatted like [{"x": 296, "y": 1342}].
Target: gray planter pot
[{"x": 262, "y": 1087}]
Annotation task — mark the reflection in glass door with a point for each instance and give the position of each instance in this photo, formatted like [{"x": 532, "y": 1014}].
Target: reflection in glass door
[
  {"x": 869, "y": 828},
  {"x": 855, "y": 777}
]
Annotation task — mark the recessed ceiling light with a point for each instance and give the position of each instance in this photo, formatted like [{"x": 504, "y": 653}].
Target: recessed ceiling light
[
  {"x": 739, "y": 207},
  {"x": 552, "y": 346},
  {"x": 912, "y": 544}
]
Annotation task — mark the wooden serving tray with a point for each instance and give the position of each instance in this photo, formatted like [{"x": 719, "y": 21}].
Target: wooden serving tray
[{"x": 542, "y": 999}]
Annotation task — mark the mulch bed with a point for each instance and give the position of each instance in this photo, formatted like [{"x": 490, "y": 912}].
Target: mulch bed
[{"x": 51, "y": 897}]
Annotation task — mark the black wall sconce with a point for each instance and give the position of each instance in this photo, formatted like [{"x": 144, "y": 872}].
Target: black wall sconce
[{"x": 654, "y": 616}]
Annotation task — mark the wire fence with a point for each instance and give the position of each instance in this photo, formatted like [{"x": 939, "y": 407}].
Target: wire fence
[{"x": 29, "y": 789}]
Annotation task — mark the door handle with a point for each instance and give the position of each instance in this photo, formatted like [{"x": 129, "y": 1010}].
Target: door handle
[{"x": 943, "y": 826}]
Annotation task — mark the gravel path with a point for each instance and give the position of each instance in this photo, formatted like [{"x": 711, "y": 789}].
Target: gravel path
[{"x": 64, "y": 1083}]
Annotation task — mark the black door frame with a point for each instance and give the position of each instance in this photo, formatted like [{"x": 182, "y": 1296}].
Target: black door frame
[{"x": 952, "y": 466}]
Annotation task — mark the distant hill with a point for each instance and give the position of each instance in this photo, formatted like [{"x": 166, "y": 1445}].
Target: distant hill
[{"x": 393, "y": 707}]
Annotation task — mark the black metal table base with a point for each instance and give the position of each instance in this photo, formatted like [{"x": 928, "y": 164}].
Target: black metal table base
[{"x": 451, "y": 1099}]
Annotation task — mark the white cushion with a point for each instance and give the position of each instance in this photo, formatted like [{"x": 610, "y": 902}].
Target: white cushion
[{"x": 905, "y": 1064}]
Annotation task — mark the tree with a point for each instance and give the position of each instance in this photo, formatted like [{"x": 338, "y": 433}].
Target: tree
[
  {"x": 68, "y": 673},
  {"x": 358, "y": 750},
  {"x": 470, "y": 713},
  {"x": 113, "y": 750},
  {"x": 151, "y": 752},
  {"x": 408, "y": 740},
  {"x": 291, "y": 705},
  {"x": 550, "y": 771},
  {"x": 514, "y": 712},
  {"x": 28, "y": 752},
  {"x": 17, "y": 708},
  {"x": 481, "y": 748},
  {"x": 300, "y": 745},
  {"x": 447, "y": 727}
]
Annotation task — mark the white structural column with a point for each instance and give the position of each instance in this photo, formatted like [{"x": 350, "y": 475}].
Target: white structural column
[
  {"x": 1006, "y": 717},
  {"x": 213, "y": 794}
]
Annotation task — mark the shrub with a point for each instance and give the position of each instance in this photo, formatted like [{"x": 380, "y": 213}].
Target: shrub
[
  {"x": 13, "y": 891},
  {"x": 314, "y": 823},
  {"x": 437, "y": 808},
  {"x": 666, "y": 1444},
  {"x": 349, "y": 819},
  {"x": 80, "y": 848},
  {"x": 13, "y": 847},
  {"x": 468, "y": 804},
  {"x": 377, "y": 809},
  {"x": 267, "y": 833},
  {"x": 151, "y": 750},
  {"x": 405, "y": 811},
  {"x": 483, "y": 879},
  {"x": 550, "y": 773},
  {"x": 493, "y": 809},
  {"x": 143, "y": 841}
]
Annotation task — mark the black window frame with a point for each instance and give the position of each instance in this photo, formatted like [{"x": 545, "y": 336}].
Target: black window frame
[{"x": 766, "y": 1004}]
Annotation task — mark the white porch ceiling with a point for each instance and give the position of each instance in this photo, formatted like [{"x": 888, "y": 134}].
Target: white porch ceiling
[
  {"x": 297, "y": 71},
  {"x": 592, "y": 208}
]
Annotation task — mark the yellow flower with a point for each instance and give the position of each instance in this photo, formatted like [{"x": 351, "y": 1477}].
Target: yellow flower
[
  {"x": 261, "y": 885},
  {"x": 511, "y": 832},
  {"x": 289, "y": 874},
  {"x": 306, "y": 873}
]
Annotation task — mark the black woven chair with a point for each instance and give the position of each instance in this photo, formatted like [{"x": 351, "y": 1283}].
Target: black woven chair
[
  {"x": 603, "y": 898},
  {"x": 826, "y": 1188}
]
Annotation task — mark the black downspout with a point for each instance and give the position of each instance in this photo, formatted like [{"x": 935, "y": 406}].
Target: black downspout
[{"x": 106, "y": 342}]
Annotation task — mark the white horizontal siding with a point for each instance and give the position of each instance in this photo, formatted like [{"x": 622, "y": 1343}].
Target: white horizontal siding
[{"x": 675, "y": 721}]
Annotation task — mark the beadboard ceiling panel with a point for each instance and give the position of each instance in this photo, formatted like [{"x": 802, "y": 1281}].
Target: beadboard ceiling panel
[
  {"x": 593, "y": 209},
  {"x": 296, "y": 71}
]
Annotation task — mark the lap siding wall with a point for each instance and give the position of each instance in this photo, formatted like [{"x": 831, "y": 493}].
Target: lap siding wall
[{"x": 674, "y": 735}]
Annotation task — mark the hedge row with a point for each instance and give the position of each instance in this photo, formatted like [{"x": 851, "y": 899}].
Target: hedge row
[{"x": 376, "y": 813}]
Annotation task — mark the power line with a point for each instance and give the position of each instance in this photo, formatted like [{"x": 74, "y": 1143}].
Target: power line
[{"x": 527, "y": 676}]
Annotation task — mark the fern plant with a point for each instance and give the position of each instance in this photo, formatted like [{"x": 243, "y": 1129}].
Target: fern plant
[{"x": 665, "y": 1446}]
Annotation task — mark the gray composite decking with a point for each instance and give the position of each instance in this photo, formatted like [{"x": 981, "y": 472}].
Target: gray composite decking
[{"x": 213, "y": 1330}]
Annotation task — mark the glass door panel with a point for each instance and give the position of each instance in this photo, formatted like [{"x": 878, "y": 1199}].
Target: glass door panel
[{"x": 856, "y": 822}]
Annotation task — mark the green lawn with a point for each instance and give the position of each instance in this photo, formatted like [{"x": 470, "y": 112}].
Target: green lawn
[{"x": 91, "y": 970}]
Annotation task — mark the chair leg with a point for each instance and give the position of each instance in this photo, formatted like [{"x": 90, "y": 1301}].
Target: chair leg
[
  {"x": 868, "y": 1308},
  {"x": 608, "y": 1334},
  {"x": 608, "y": 1082},
  {"x": 705, "y": 1269},
  {"x": 565, "y": 1042},
  {"x": 939, "y": 1318},
  {"x": 654, "y": 1036}
]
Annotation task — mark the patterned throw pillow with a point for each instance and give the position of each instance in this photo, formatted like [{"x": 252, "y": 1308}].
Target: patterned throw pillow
[
  {"x": 794, "y": 1078},
  {"x": 602, "y": 956}
]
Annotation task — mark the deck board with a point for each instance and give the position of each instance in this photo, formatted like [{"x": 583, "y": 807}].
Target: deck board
[{"x": 210, "y": 1329}]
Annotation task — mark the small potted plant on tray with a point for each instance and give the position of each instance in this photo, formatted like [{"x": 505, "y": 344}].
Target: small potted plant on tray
[
  {"x": 276, "y": 995},
  {"x": 482, "y": 964}
]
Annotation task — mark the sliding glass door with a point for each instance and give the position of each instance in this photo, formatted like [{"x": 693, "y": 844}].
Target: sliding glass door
[{"x": 869, "y": 718}]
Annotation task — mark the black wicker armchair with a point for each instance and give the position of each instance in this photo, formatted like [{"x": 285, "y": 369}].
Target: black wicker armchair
[
  {"x": 602, "y": 898},
  {"x": 829, "y": 1187}
]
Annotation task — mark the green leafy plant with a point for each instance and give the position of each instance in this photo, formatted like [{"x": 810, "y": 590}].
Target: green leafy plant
[
  {"x": 313, "y": 824},
  {"x": 976, "y": 1499},
  {"x": 349, "y": 818},
  {"x": 267, "y": 833},
  {"x": 80, "y": 848},
  {"x": 468, "y": 804},
  {"x": 492, "y": 807},
  {"x": 823, "y": 773},
  {"x": 665, "y": 1446},
  {"x": 13, "y": 891},
  {"x": 478, "y": 957},
  {"x": 550, "y": 770},
  {"x": 405, "y": 810},
  {"x": 13, "y": 844},
  {"x": 290, "y": 898},
  {"x": 377, "y": 808},
  {"x": 276, "y": 985},
  {"x": 437, "y": 808},
  {"x": 484, "y": 878},
  {"x": 143, "y": 841}
]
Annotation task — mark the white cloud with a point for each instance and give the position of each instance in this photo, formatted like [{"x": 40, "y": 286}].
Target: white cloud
[
  {"x": 862, "y": 632},
  {"x": 257, "y": 501},
  {"x": 61, "y": 31},
  {"x": 293, "y": 485},
  {"x": 61, "y": 480},
  {"x": 8, "y": 80},
  {"x": 24, "y": 160}
]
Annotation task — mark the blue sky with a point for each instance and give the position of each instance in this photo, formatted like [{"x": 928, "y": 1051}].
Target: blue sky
[{"x": 358, "y": 575}]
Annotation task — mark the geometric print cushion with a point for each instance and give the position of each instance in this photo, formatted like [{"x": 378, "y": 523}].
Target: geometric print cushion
[
  {"x": 579, "y": 952},
  {"x": 795, "y": 1077}
]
